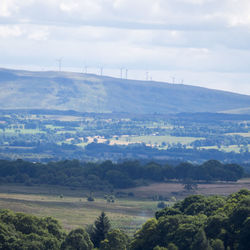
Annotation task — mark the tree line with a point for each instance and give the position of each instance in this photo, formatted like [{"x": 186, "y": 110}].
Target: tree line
[
  {"x": 195, "y": 223},
  {"x": 199, "y": 223},
  {"x": 27, "y": 232},
  {"x": 113, "y": 175}
]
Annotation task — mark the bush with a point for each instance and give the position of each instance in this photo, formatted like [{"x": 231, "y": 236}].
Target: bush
[
  {"x": 161, "y": 204},
  {"x": 90, "y": 198}
]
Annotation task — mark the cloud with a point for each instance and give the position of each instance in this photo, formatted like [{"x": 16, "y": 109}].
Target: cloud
[
  {"x": 202, "y": 37},
  {"x": 10, "y": 31},
  {"x": 38, "y": 35},
  {"x": 83, "y": 9},
  {"x": 142, "y": 14},
  {"x": 7, "y": 8}
]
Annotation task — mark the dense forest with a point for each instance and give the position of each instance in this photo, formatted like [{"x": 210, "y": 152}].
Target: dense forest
[
  {"x": 113, "y": 175},
  {"x": 195, "y": 223}
]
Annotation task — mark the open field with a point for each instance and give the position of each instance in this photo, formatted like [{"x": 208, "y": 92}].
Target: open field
[
  {"x": 72, "y": 209},
  {"x": 230, "y": 148},
  {"x": 51, "y": 133},
  {"x": 155, "y": 140},
  {"x": 63, "y": 117},
  {"x": 159, "y": 139},
  {"x": 21, "y": 131},
  {"x": 241, "y": 134},
  {"x": 176, "y": 189}
]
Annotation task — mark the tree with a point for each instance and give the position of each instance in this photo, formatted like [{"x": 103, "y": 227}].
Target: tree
[
  {"x": 100, "y": 229},
  {"x": 115, "y": 240},
  {"x": 22, "y": 231},
  {"x": 172, "y": 246},
  {"x": 200, "y": 241},
  {"x": 160, "y": 248},
  {"x": 189, "y": 184},
  {"x": 119, "y": 179},
  {"x": 215, "y": 226},
  {"x": 244, "y": 242},
  {"x": 217, "y": 244},
  {"x": 77, "y": 239},
  {"x": 161, "y": 204},
  {"x": 147, "y": 237},
  {"x": 167, "y": 211},
  {"x": 90, "y": 198}
]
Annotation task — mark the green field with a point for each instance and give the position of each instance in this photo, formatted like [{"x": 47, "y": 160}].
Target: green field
[
  {"x": 66, "y": 131},
  {"x": 241, "y": 134},
  {"x": 21, "y": 131},
  {"x": 50, "y": 126},
  {"x": 230, "y": 148},
  {"x": 159, "y": 139},
  {"x": 55, "y": 132}
]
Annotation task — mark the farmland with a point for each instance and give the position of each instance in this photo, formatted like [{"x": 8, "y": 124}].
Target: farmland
[{"x": 41, "y": 135}]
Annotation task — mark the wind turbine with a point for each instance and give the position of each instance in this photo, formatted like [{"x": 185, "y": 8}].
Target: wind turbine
[
  {"x": 59, "y": 60},
  {"x": 126, "y": 73},
  {"x": 101, "y": 71},
  {"x": 121, "y": 69},
  {"x": 173, "y": 79},
  {"x": 85, "y": 69}
]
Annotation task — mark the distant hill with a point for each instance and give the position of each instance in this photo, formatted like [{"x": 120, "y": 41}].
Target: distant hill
[
  {"x": 91, "y": 93},
  {"x": 237, "y": 111}
]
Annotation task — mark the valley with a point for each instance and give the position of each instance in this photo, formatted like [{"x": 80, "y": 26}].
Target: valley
[{"x": 43, "y": 135}]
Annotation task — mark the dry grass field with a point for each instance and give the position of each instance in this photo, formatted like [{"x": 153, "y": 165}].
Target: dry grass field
[
  {"x": 72, "y": 209},
  {"x": 176, "y": 189}
]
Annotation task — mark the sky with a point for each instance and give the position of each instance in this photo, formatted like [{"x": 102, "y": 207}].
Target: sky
[{"x": 198, "y": 42}]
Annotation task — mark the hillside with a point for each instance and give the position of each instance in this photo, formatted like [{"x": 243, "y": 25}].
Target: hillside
[{"x": 92, "y": 93}]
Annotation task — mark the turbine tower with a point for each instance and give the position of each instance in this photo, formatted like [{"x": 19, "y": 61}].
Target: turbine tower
[
  {"x": 121, "y": 69},
  {"x": 173, "y": 79},
  {"x": 126, "y": 73},
  {"x": 59, "y": 60}
]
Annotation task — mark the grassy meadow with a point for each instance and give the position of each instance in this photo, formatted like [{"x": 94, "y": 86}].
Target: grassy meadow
[{"x": 73, "y": 210}]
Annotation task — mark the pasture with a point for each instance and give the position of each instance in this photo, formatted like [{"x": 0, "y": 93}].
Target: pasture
[{"x": 73, "y": 210}]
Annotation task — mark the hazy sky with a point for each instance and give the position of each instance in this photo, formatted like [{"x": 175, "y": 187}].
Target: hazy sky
[{"x": 199, "y": 42}]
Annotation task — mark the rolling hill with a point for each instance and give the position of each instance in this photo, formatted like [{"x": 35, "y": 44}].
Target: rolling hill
[{"x": 91, "y": 93}]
